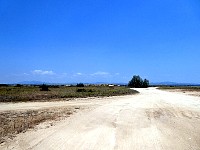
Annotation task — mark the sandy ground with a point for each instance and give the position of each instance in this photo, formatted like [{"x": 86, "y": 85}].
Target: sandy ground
[
  {"x": 43, "y": 105},
  {"x": 151, "y": 120},
  {"x": 185, "y": 91}
]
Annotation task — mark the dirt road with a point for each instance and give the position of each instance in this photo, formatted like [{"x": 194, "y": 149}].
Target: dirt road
[{"x": 151, "y": 120}]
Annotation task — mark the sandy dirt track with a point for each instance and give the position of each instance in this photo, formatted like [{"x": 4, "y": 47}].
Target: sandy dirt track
[{"x": 151, "y": 120}]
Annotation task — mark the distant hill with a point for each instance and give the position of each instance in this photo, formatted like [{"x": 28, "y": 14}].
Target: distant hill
[
  {"x": 163, "y": 83},
  {"x": 31, "y": 82}
]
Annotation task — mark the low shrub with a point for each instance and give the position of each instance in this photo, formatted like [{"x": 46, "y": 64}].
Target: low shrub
[
  {"x": 44, "y": 87},
  {"x": 80, "y": 85},
  {"x": 81, "y": 90}
]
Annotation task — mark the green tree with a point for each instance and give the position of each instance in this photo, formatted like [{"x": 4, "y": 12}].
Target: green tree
[
  {"x": 80, "y": 85},
  {"x": 145, "y": 83},
  {"x": 137, "y": 82}
]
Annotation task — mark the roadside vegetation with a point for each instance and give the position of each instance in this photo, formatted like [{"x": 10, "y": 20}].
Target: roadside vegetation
[
  {"x": 186, "y": 88},
  {"x": 14, "y": 122},
  {"x": 22, "y": 93}
]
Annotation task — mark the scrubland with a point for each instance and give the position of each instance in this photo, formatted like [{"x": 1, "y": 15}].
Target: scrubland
[
  {"x": 35, "y": 109},
  {"x": 34, "y": 93}
]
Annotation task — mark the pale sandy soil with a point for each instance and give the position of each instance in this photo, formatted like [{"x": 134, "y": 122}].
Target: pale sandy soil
[
  {"x": 43, "y": 105},
  {"x": 151, "y": 120},
  {"x": 185, "y": 91}
]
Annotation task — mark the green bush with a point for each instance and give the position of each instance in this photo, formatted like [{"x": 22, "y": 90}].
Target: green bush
[
  {"x": 18, "y": 85},
  {"x": 81, "y": 90},
  {"x": 44, "y": 87}
]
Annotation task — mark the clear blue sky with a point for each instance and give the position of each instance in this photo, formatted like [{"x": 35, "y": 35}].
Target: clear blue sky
[{"x": 99, "y": 40}]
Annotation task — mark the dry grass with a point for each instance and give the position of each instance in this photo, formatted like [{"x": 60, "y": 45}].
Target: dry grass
[
  {"x": 188, "y": 88},
  {"x": 13, "y": 122},
  {"x": 33, "y": 93}
]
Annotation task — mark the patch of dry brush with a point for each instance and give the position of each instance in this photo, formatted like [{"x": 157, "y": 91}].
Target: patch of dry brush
[{"x": 12, "y": 122}]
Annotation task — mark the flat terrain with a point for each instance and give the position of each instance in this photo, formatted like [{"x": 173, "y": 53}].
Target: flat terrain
[
  {"x": 23, "y": 93},
  {"x": 153, "y": 119},
  {"x": 187, "y": 90}
]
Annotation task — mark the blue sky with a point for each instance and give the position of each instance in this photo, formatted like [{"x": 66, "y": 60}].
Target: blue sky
[{"x": 99, "y": 40}]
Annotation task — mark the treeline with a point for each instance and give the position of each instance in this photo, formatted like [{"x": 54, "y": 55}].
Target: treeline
[{"x": 138, "y": 82}]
